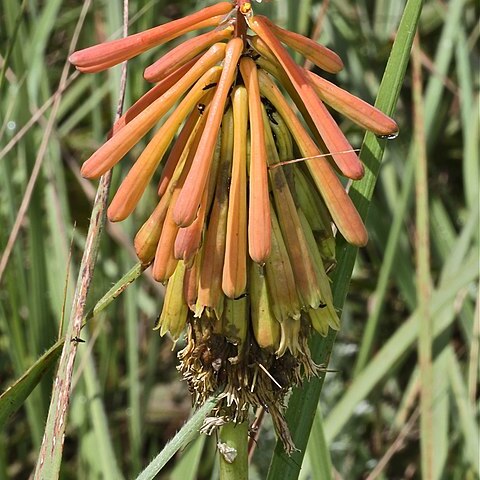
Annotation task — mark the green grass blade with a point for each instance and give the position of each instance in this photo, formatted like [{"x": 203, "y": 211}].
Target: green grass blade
[
  {"x": 133, "y": 363},
  {"x": 302, "y": 404},
  {"x": 388, "y": 262}
]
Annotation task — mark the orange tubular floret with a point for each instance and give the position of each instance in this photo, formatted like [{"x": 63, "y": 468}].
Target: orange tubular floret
[
  {"x": 190, "y": 283},
  {"x": 354, "y": 108},
  {"x": 183, "y": 53},
  {"x": 346, "y": 159},
  {"x": 259, "y": 222},
  {"x": 111, "y": 152},
  {"x": 191, "y": 194},
  {"x": 165, "y": 262},
  {"x": 318, "y": 54},
  {"x": 157, "y": 91},
  {"x": 176, "y": 152},
  {"x": 135, "y": 183},
  {"x": 146, "y": 239},
  {"x": 111, "y": 53},
  {"x": 99, "y": 67},
  {"x": 234, "y": 280}
]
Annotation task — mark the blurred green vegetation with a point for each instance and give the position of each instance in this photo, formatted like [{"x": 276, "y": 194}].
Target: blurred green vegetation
[{"x": 128, "y": 400}]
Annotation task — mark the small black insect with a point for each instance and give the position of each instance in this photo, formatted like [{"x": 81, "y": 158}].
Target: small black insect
[
  {"x": 210, "y": 85},
  {"x": 270, "y": 109},
  {"x": 201, "y": 108},
  {"x": 243, "y": 295},
  {"x": 77, "y": 340}
]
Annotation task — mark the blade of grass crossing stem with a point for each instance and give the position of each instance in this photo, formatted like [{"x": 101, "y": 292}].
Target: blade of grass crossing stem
[
  {"x": 14, "y": 397},
  {"x": 187, "y": 467},
  {"x": 302, "y": 404},
  {"x": 395, "y": 349},
  {"x": 466, "y": 413},
  {"x": 183, "y": 437}
]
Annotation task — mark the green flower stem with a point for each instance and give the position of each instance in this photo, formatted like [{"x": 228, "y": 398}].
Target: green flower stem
[{"x": 233, "y": 451}]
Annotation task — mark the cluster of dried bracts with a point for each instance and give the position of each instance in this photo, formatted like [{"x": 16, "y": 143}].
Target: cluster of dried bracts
[{"x": 241, "y": 237}]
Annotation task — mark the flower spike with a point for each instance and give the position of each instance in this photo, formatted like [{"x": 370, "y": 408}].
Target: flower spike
[{"x": 242, "y": 234}]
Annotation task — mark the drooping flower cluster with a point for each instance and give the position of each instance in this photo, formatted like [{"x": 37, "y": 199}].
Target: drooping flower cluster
[{"x": 241, "y": 237}]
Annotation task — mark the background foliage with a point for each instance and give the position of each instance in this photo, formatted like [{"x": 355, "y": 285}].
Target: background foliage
[{"x": 128, "y": 400}]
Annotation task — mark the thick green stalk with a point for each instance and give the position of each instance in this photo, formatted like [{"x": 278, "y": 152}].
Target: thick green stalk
[{"x": 233, "y": 451}]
